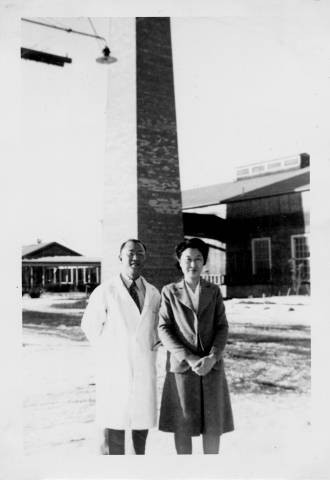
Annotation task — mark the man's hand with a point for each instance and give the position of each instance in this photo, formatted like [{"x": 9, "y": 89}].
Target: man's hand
[{"x": 205, "y": 365}]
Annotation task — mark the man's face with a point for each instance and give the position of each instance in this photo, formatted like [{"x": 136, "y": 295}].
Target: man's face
[{"x": 132, "y": 258}]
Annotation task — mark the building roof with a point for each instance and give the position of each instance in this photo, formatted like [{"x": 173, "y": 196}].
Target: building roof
[
  {"x": 27, "y": 249},
  {"x": 62, "y": 259},
  {"x": 34, "y": 248},
  {"x": 256, "y": 187},
  {"x": 205, "y": 226}
]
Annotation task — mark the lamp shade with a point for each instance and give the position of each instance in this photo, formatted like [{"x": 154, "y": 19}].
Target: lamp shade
[{"x": 106, "y": 58}]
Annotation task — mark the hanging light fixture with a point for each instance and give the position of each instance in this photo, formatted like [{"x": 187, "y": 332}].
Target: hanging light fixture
[{"x": 106, "y": 57}]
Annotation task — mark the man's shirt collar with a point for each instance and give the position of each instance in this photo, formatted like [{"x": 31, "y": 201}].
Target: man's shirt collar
[{"x": 128, "y": 281}]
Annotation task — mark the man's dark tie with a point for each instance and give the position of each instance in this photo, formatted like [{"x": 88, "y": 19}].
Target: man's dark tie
[{"x": 134, "y": 295}]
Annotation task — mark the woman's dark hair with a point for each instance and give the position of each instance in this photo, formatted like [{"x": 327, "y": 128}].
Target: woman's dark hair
[{"x": 192, "y": 243}]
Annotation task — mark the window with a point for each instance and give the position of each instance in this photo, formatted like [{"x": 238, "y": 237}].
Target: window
[
  {"x": 272, "y": 166},
  {"x": 49, "y": 275},
  {"x": 300, "y": 254},
  {"x": 88, "y": 275},
  {"x": 242, "y": 172},
  {"x": 65, "y": 275},
  {"x": 258, "y": 169},
  {"x": 261, "y": 257},
  {"x": 292, "y": 162},
  {"x": 80, "y": 275}
]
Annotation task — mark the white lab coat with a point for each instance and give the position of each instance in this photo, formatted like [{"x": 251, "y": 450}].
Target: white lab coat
[{"x": 123, "y": 340}]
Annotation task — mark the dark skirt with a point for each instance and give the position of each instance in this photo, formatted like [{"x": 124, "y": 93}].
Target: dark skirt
[{"x": 196, "y": 405}]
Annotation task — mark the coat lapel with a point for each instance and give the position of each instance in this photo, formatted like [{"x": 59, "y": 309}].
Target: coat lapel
[
  {"x": 181, "y": 293},
  {"x": 147, "y": 295},
  {"x": 125, "y": 296},
  {"x": 149, "y": 312},
  {"x": 205, "y": 297}
]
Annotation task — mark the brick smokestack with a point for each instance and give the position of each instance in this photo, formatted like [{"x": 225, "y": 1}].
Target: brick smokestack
[{"x": 142, "y": 182}]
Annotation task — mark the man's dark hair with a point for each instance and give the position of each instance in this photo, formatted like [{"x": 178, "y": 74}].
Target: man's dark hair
[
  {"x": 135, "y": 241},
  {"x": 192, "y": 243}
]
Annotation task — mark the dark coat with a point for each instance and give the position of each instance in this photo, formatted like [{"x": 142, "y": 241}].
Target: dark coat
[{"x": 192, "y": 403}]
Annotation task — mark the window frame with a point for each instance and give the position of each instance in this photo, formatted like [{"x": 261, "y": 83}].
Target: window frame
[
  {"x": 293, "y": 252},
  {"x": 253, "y": 243},
  {"x": 68, "y": 281}
]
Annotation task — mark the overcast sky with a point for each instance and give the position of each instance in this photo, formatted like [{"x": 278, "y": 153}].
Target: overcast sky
[{"x": 249, "y": 87}]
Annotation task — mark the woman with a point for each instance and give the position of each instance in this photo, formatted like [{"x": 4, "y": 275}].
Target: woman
[{"x": 194, "y": 329}]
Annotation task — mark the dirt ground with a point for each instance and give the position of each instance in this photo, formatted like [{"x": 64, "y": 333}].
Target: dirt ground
[{"x": 267, "y": 363}]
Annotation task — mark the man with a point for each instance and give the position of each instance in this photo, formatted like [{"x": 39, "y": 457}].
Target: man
[{"x": 120, "y": 321}]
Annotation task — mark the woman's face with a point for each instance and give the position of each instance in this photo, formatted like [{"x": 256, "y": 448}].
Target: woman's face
[{"x": 191, "y": 263}]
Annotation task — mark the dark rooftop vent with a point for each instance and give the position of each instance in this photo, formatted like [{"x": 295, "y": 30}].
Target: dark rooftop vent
[{"x": 304, "y": 157}]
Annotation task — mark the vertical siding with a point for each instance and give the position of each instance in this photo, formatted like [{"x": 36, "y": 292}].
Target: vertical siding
[{"x": 276, "y": 217}]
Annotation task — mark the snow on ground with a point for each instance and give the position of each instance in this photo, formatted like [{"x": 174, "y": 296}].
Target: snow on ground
[
  {"x": 51, "y": 302},
  {"x": 267, "y": 364},
  {"x": 288, "y": 310}
]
